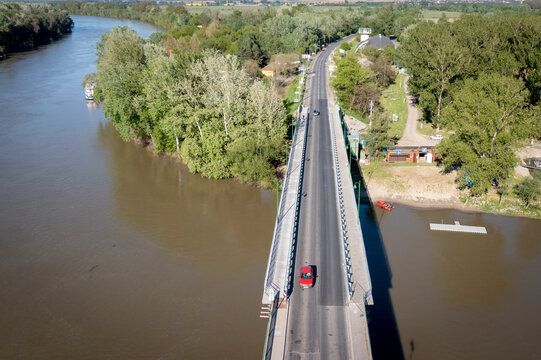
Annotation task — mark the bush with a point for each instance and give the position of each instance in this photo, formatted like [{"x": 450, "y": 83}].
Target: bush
[{"x": 528, "y": 190}]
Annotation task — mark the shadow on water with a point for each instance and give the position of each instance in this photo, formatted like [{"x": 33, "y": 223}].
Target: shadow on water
[{"x": 382, "y": 326}]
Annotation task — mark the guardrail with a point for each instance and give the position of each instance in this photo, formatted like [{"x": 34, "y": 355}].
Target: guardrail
[
  {"x": 271, "y": 325},
  {"x": 271, "y": 289},
  {"x": 295, "y": 227},
  {"x": 340, "y": 197}
]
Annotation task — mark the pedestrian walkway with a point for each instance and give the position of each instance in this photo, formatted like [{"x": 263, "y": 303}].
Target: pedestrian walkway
[
  {"x": 279, "y": 263},
  {"x": 359, "y": 264}
]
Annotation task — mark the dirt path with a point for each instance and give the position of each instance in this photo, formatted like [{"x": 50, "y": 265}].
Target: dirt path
[{"x": 411, "y": 137}]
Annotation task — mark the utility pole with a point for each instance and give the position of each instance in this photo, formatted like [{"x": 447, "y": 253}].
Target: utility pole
[
  {"x": 277, "y": 197},
  {"x": 371, "y": 108}
]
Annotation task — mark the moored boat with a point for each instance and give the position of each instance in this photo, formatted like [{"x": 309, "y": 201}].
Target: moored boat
[
  {"x": 89, "y": 92},
  {"x": 385, "y": 205}
]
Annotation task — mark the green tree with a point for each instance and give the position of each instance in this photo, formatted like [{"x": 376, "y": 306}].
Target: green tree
[
  {"x": 346, "y": 46},
  {"x": 528, "y": 190},
  {"x": 435, "y": 58},
  {"x": 488, "y": 116},
  {"x": 249, "y": 47},
  {"x": 378, "y": 136},
  {"x": 349, "y": 79},
  {"x": 120, "y": 63}
]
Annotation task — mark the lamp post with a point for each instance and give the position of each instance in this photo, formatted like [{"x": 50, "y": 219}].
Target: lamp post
[
  {"x": 349, "y": 147},
  {"x": 358, "y": 187},
  {"x": 277, "y": 197},
  {"x": 371, "y": 108}
]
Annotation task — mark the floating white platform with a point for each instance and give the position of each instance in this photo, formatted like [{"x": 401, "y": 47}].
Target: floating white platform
[{"x": 459, "y": 228}]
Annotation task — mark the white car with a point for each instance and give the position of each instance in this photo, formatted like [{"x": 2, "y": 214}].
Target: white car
[{"x": 436, "y": 137}]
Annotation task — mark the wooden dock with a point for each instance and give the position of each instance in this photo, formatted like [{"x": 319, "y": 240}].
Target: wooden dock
[{"x": 458, "y": 228}]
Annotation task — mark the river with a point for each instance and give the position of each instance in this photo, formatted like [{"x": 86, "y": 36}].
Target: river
[{"x": 110, "y": 252}]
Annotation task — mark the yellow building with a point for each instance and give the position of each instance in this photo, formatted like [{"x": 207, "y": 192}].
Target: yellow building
[{"x": 269, "y": 70}]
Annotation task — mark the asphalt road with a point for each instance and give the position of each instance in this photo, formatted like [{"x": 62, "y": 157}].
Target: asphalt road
[{"x": 317, "y": 323}]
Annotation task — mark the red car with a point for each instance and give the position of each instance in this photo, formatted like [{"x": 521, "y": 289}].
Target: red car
[{"x": 307, "y": 276}]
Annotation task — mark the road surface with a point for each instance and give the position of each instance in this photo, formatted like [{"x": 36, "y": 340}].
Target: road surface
[{"x": 318, "y": 321}]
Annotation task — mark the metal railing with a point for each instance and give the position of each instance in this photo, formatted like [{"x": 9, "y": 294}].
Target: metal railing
[
  {"x": 271, "y": 325},
  {"x": 295, "y": 226},
  {"x": 341, "y": 208},
  {"x": 271, "y": 289}
]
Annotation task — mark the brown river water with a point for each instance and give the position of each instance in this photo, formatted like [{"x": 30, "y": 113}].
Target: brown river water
[{"x": 110, "y": 252}]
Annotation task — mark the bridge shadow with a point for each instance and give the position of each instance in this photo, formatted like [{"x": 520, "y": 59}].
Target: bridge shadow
[{"x": 382, "y": 326}]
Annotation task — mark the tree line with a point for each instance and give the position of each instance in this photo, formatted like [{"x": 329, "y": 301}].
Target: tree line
[
  {"x": 479, "y": 77},
  {"x": 257, "y": 34},
  {"x": 200, "y": 104},
  {"x": 359, "y": 87},
  {"x": 25, "y": 26},
  {"x": 196, "y": 98}
]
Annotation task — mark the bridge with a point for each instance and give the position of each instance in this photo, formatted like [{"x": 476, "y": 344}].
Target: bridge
[{"x": 317, "y": 224}]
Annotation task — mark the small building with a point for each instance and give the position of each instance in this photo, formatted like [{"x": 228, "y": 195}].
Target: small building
[
  {"x": 269, "y": 70},
  {"x": 365, "y": 33},
  {"x": 379, "y": 42},
  {"x": 411, "y": 154},
  {"x": 273, "y": 69}
]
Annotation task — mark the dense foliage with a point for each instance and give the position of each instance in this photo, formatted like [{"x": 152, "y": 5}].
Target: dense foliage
[
  {"x": 25, "y": 26},
  {"x": 203, "y": 105},
  {"x": 358, "y": 85},
  {"x": 528, "y": 190},
  {"x": 480, "y": 77},
  {"x": 200, "y": 101},
  {"x": 253, "y": 34}
]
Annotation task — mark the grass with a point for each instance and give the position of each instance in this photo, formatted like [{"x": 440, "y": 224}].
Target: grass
[
  {"x": 428, "y": 130},
  {"x": 398, "y": 106},
  {"x": 511, "y": 205},
  {"x": 376, "y": 170},
  {"x": 291, "y": 105},
  {"x": 354, "y": 114}
]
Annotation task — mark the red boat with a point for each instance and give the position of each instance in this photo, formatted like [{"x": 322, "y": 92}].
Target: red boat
[{"x": 385, "y": 205}]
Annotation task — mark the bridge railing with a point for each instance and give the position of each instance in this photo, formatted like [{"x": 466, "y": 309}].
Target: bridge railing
[
  {"x": 288, "y": 285},
  {"x": 341, "y": 207},
  {"x": 271, "y": 325},
  {"x": 271, "y": 288}
]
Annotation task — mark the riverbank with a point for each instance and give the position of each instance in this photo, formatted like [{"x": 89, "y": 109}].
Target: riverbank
[
  {"x": 30, "y": 25},
  {"x": 427, "y": 186}
]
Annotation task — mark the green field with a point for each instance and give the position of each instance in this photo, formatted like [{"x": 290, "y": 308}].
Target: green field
[
  {"x": 199, "y": 9},
  {"x": 393, "y": 101},
  {"x": 291, "y": 105}
]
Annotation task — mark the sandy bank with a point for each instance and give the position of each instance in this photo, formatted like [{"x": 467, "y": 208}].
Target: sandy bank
[{"x": 422, "y": 186}]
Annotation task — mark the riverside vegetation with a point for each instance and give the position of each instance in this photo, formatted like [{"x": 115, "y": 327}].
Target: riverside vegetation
[
  {"x": 202, "y": 105},
  {"x": 25, "y": 26},
  {"x": 203, "y": 98},
  {"x": 444, "y": 69},
  {"x": 480, "y": 79}
]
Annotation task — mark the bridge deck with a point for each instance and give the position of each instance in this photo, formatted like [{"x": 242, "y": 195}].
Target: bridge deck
[
  {"x": 296, "y": 326},
  {"x": 278, "y": 265}
]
